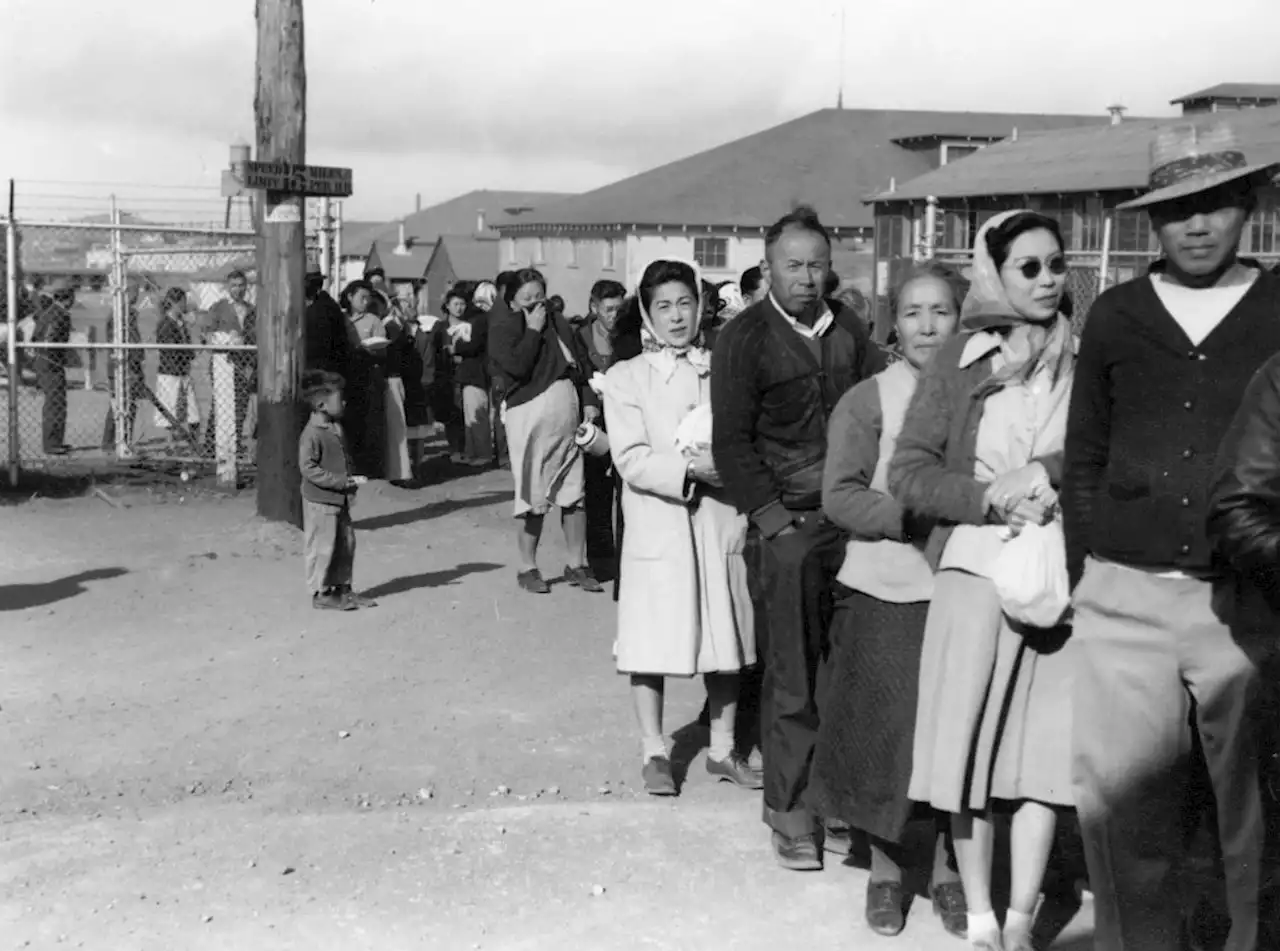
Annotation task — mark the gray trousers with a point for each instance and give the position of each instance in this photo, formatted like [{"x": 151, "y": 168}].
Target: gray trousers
[
  {"x": 329, "y": 541},
  {"x": 1156, "y": 663}
]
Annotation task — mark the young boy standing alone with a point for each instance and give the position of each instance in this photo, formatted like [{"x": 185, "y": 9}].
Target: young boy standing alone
[{"x": 327, "y": 490}]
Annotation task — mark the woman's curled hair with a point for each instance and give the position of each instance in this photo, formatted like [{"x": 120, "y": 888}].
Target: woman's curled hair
[
  {"x": 666, "y": 272},
  {"x": 526, "y": 275},
  {"x": 347, "y": 292},
  {"x": 1000, "y": 238}
]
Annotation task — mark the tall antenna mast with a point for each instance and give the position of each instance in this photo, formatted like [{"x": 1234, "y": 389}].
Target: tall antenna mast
[{"x": 840, "y": 91}]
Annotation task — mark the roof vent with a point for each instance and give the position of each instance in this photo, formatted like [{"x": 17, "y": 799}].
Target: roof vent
[
  {"x": 1117, "y": 113},
  {"x": 480, "y": 222},
  {"x": 1014, "y": 136},
  {"x": 403, "y": 246}
]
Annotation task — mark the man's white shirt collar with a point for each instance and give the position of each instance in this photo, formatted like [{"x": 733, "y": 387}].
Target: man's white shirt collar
[{"x": 820, "y": 326}]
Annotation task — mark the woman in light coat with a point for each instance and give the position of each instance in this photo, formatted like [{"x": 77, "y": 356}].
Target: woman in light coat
[{"x": 683, "y": 605}]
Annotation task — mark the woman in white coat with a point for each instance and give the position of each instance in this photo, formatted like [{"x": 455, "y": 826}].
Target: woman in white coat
[{"x": 683, "y": 603}]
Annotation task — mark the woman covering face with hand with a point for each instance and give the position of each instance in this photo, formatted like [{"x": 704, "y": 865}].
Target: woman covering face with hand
[{"x": 683, "y": 605}]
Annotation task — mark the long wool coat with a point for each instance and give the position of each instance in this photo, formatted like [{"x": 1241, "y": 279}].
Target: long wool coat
[{"x": 683, "y": 603}]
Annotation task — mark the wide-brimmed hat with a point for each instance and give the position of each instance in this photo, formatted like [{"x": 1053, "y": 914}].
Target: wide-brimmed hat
[{"x": 1192, "y": 157}]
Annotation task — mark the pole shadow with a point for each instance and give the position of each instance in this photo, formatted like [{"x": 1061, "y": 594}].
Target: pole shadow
[
  {"x": 429, "y": 511},
  {"x": 20, "y": 597},
  {"x": 429, "y": 579}
]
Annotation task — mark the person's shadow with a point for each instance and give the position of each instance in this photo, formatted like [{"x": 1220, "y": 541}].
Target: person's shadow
[
  {"x": 429, "y": 579},
  {"x": 20, "y": 597}
]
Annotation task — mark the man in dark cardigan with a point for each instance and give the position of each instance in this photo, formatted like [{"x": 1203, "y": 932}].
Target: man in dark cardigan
[
  {"x": 777, "y": 371},
  {"x": 1163, "y": 364}
]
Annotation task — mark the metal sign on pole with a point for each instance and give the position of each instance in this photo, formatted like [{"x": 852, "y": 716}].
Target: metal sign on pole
[{"x": 315, "y": 180}]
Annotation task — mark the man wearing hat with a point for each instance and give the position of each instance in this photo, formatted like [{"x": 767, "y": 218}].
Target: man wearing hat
[
  {"x": 1163, "y": 364},
  {"x": 53, "y": 325},
  {"x": 327, "y": 343}
]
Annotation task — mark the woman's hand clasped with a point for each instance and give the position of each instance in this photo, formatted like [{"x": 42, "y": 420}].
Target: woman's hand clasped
[
  {"x": 1022, "y": 497},
  {"x": 703, "y": 469}
]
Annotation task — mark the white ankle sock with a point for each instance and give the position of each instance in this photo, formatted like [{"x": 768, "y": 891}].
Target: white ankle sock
[
  {"x": 653, "y": 746},
  {"x": 983, "y": 924},
  {"x": 1017, "y": 922},
  {"x": 721, "y": 745}
]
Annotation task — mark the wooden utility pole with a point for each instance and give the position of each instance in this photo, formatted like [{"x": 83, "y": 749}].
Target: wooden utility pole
[{"x": 280, "y": 106}]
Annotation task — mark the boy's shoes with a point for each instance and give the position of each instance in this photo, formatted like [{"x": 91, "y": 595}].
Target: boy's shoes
[
  {"x": 582, "y": 578},
  {"x": 657, "y": 777},
  {"x": 330, "y": 601}
]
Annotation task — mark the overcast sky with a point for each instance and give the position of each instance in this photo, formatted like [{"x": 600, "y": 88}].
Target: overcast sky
[{"x": 443, "y": 96}]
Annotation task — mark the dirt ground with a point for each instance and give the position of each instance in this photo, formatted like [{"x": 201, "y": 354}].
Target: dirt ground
[{"x": 195, "y": 759}]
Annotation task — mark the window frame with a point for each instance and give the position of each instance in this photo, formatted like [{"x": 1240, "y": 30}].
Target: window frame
[{"x": 721, "y": 242}]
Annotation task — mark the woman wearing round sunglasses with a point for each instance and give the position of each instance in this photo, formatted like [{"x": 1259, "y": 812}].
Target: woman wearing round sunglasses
[{"x": 981, "y": 452}]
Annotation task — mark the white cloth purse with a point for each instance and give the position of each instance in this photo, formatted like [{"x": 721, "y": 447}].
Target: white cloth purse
[{"x": 1030, "y": 575}]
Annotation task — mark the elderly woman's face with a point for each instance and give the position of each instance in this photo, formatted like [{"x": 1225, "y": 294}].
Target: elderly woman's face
[
  {"x": 1035, "y": 275},
  {"x": 674, "y": 313},
  {"x": 360, "y": 300},
  {"x": 926, "y": 319},
  {"x": 529, "y": 295}
]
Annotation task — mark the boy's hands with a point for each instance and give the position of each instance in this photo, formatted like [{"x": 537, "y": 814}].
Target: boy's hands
[{"x": 354, "y": 482}]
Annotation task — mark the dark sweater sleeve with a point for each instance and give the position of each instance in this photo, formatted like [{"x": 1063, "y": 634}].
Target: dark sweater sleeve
[
  {"x": 735, "y": 406},
  {"x": 513, "y": 347},
  {"x": 310, "y": 454},
  {"x": 918, "y": 475},
  {"x": 1088, "y": 440},
  {"x": 853, "y": 451},
  {"x": 1244, "y": 504}
]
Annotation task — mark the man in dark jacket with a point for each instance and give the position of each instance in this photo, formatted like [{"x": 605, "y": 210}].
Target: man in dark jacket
[
  {"x": 1244, "y": 524},
  {"x": 328, "y": 345},
  {"x": 777, "y": 371},
  {"x": 1163, "y": 363},
  {"x": 596, "y": 336},
  {"x": 53, "y": 325}
]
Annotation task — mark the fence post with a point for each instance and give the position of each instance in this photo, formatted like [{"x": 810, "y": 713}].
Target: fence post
[
  {"x": 1105, "y": 262},
  {"x": 930, "y": 228},
  {"x": 326, "y": 238},
  {"x": 334, "y": 277},
  {"x": 119, "y": 303},
  {"x": 11, "y": 318}
]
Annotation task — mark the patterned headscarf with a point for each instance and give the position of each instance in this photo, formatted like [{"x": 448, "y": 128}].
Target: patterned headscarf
[{"x": 662, "y": 353}]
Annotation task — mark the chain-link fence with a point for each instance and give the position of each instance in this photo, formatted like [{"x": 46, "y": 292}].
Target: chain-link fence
[{"x": 129, "y": 343}]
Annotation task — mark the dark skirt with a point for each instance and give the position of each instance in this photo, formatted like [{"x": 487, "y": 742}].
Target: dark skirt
[{"x": 862, "y": 763}]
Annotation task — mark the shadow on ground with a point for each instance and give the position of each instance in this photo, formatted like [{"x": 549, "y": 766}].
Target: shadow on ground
[
  {"x": 429, "y": 511},
  {"x": 429, "y": 579},
  {"x": 19, "y": 597}
]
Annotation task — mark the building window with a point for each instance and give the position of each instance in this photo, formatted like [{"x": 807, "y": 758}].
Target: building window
[
  {"x": 891, "y": 235},
  {"x": 1131, "y": 232},
  {"x": 509, "y": 250},
  {"x": 609, "y": 257},
  {"x": 953, "y": 152},
  {"x": 539, "y": 251},
  {"x": 711, "y": 253},
  {"x": 1091, "y": 225},
  {"x": 1264, "y": 229}
]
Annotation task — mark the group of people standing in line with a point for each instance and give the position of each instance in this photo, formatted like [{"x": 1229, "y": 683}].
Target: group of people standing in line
[{"x": 796, "y": 494}]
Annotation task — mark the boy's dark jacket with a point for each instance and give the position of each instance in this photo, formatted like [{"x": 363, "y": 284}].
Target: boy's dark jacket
[{"x": 322, "y": 457}]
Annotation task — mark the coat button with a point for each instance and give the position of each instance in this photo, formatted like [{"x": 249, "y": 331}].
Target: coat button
[
  {"x": 1188, "y": 453},
  {"x": 1186, "y": 502},
  {"x": 1191, "y": 354},
  {"x": 1185, "y": 549},
  {"x": 1187, "y": 405}
]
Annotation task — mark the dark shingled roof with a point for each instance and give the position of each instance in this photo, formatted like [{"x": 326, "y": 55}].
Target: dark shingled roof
[
  {"x": 1233, "y": 91},
  {"x": 829, "y": 159},
  {"x": 1109, "y": 158}
]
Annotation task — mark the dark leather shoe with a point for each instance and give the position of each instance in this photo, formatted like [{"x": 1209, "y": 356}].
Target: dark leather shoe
[
  {"x": 886, "y": 908},
  {"x": 582, "y": 578},
  {"x": 949, "y": 904},
  {"x": 800, "y": 854},
  {"x": 359, "y": 600},
  {"x": 533, "y": 582},
  {"x": 657, "y": 777},
  {"x": 735, "y": 770}
]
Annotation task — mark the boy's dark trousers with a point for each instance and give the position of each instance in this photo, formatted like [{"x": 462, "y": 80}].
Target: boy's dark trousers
[
  {"x": 52, "y": 380},
  {"x": 330, "y": 545}
]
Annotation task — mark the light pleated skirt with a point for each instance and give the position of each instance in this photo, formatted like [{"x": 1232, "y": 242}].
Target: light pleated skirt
[
  {"x": 398, "y": 466},
  {"x": 545, "y": 462}
]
